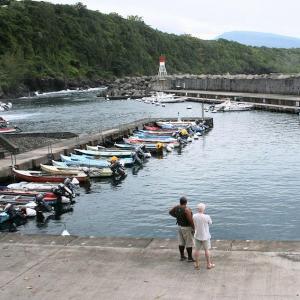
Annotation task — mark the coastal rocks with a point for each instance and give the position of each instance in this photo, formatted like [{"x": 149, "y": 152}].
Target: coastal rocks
[
  {"x": 131, "y": 86},
  {"x": 125, "y": 87}
]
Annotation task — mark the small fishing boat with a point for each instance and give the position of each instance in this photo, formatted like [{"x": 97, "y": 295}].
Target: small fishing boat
[
  {"x": 37, "y": 176},
  {"x": 32, "y": 186},
  {"x": 152, "y": 128},
  {"x": 24, "y": 199},
  {"x": 148, "y": 146},
  {"x": 91, "y": 172},
  {"x": 105, "y": 153},
  {"x": 78, "y": 160},
  {"x": 152, "y": 139},
  {"x": 157, "y": 132},
  {"x": 134, "y": 141},
  {"x": 48, "y": 196},
  {"x": 145, "y": 135},
  {"x": 5, "y": 106},
  {"x": 57, "y": 171},
  {"x": 8, "y": 130},
  {"x": 125, "y": 161},
  {"x": 231, "y": 106},
  {"x": 175, "y": 124}
]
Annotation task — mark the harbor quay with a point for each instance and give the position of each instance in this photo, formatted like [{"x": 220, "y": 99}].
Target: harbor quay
[
  {"x": 32, "y": 159},
  {"x": 72, "y": 267},
  {"x": 269, "y": 102}
]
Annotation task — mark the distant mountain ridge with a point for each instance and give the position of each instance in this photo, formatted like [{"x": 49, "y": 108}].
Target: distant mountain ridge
[{"x": 261, "y": 39}]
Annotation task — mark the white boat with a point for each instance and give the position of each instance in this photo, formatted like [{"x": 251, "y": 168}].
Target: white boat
[
  {"x": 5, "y": 106},
  {"x": 91, "y": 172},
  {"x": 175, "y": 124},
  {"x": 229, "y": 105},
  {"x": 161, "y": 97}
]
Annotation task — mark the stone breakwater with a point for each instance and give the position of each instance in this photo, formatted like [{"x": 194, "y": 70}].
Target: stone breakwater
[
  {"x": 126, "y": 86},
  {"x": 131, "y": 86},
  {"x": 283, "y": 84}
]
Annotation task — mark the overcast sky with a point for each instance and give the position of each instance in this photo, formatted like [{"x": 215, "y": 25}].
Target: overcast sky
[{"x": 209, "y": 18}]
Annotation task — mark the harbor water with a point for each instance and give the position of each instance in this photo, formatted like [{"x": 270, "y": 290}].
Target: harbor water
[{"x": 246, "y": 169}]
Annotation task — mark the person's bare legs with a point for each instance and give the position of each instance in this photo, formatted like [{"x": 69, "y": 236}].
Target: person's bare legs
[
  {"x": 208, "y": 259},
  {"x": 197, "y": 259}
]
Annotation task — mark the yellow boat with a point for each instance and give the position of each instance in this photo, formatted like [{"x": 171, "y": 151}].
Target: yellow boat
[{"x": 71, "y": 171}]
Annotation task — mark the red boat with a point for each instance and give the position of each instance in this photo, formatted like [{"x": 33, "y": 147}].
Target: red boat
[
  {"x": 48, "y": 196},
  {"x": 7, "y": 130},
  {"x": 37, "y": 176},
  {"x": 152, "y": 128}
]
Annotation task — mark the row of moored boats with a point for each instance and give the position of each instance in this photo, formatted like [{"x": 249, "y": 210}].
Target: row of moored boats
[{"x": 52, "y": 190}]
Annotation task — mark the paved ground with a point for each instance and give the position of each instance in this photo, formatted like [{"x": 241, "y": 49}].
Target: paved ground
[{"x": 56, "y": 267}]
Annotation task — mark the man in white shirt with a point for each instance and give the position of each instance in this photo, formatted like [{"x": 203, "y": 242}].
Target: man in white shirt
[{"x": 202, "y": 235}]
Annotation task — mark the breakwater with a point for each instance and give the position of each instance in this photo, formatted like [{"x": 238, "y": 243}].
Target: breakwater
[{"x": 284, "y": 84}]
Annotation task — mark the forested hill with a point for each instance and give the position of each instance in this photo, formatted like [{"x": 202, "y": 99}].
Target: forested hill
[{"x": 40, "y": 41}]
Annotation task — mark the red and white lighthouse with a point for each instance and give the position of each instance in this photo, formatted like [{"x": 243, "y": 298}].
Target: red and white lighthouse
[{"x": 162, "y": 71}]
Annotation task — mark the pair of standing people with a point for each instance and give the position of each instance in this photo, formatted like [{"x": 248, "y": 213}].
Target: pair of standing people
[{"x": 193, "y": 227}]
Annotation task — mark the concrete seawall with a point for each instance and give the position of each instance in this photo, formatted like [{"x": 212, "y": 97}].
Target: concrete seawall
[
  {"x": 57, "y": 267},
  {"x": 285, "y": 84}
]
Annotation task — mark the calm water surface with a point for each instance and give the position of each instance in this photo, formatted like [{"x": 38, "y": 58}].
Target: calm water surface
[{"x": 246, "y": 170}]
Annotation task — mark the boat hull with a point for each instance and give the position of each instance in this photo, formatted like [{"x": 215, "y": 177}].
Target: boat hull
[{"x": 35, "y": 176}]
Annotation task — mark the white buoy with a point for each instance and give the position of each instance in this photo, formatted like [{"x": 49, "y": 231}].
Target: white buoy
[
  {"x": 189, "y": 107},
  {"x": 196, "y": 137},
  {"x": 65, "y": 231}
]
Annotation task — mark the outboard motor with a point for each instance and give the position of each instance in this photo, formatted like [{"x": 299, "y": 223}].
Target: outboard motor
[
  {"x": 182, "y": 142},
  {"x": 70, "y": 187},
  {"x": 64, "y": 194},
  {"x": 142, "y": 151},
  {"x": 117, "y": 168},
  {"x": 41, "y": 207},
  {"x": 136, "y": 159},
  {"x": 15, "y": 218}
]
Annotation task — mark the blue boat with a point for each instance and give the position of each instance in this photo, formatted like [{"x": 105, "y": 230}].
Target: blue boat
[
  {"x": 142, "y": 135},
  {"x": 105, "y": 154},
  {"x": 78, "y": 160},
  {"x": 126, "y": 161}
]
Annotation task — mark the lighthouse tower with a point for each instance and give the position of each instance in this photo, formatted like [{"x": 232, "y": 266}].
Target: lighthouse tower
[{"x": 162, "y": 71}]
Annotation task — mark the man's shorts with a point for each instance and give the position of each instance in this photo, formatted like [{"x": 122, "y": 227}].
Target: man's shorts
[
  {"x": 205, "y": 244},
  {"x": 185, "y": 236}
]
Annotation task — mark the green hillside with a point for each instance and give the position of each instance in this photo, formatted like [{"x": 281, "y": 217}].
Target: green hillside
[{"x": 40, "y": 41}]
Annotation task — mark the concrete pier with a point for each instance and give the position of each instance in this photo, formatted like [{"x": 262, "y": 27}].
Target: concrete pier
[
  {"x": 56, "y": 267},
  {"x": 271, "y": 102},
  {"x": 32, "y": 159}
]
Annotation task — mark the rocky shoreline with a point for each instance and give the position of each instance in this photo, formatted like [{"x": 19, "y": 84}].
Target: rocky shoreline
[{"x": 126, "y": 86}]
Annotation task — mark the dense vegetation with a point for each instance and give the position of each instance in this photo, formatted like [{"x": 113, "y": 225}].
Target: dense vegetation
[{"x": 40, "y": 41}]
